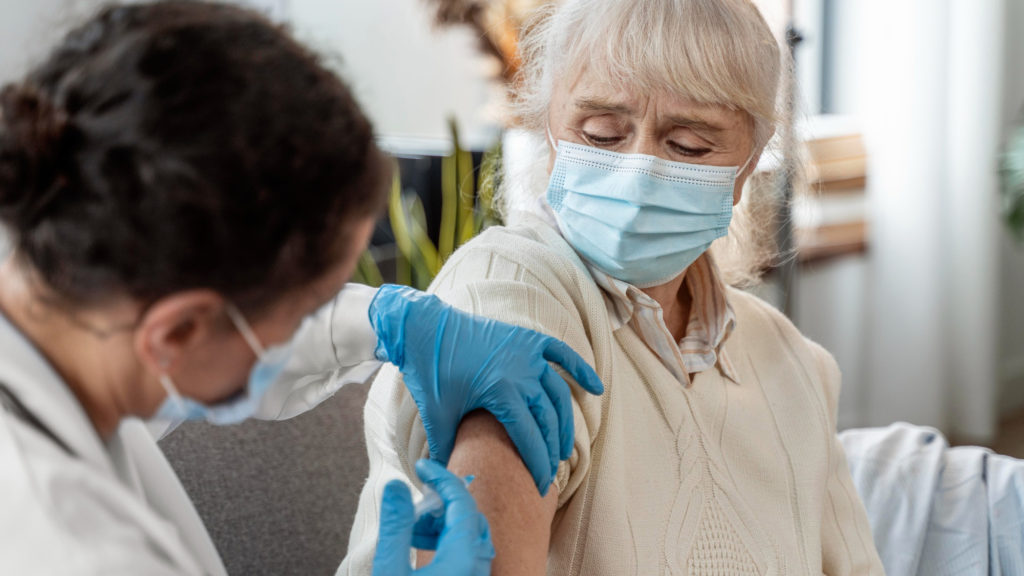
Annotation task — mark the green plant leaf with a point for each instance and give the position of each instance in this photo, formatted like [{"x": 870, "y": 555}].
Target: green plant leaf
[
  {"x": 449, "y": 206},
  {"x": 407, "y": 254},
  {"x": 412, "y": 241},
  {"x": 428, "y": 264},
  {"x": 403, "y": 269},
  {"x": 467, "y": 195},
  {"x": 396, "y": 215},
  {"x": 367, "y": 270},
  {"x": 467, "y": 209}
]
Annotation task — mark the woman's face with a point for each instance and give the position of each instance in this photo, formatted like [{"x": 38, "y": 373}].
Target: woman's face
[
  {"x": 191, "y": 339},
  {"x": 596, "y": 113}
]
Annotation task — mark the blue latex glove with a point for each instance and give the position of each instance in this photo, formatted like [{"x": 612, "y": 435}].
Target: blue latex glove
[
  {"x": 463, "y": 540},
  {"x": 454, "y": 363}
]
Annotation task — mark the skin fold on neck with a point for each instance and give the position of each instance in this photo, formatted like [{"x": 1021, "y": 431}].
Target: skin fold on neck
[{"x": 675, "y": 300}]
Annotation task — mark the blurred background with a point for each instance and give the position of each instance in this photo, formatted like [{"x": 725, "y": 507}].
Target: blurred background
[{"x": 906, "y": 267}]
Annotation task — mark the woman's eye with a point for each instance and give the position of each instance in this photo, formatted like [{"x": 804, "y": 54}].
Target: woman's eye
[
  {"x": 691, "y": 152},
  {"x": 602, "y": 140}
]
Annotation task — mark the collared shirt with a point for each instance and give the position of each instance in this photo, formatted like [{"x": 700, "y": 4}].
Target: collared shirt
[
  {"x": 711, "y": 320},
  {"x": 711, "y": 317}
]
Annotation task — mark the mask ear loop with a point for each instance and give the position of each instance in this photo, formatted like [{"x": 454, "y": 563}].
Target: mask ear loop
[
  {"x": 172, "y": 391},
  {"x": 242, "y": 325},
  {"x": 747, "y": 164},
  {"x": 551, "y": 138}
]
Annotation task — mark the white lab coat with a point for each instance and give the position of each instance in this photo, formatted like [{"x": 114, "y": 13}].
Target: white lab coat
[{"x": 116, "y": 507}]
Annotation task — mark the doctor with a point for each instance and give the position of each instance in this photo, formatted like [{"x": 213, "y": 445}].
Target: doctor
[{"x": 185, "y": 190}]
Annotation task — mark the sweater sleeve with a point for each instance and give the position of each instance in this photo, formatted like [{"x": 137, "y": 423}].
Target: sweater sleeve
[
  {"x": 492, "y": 279},
  {"x": 847, "y": 544}
]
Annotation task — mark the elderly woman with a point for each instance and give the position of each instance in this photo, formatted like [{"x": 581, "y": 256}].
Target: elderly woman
[{"x": 713, "y": 450}]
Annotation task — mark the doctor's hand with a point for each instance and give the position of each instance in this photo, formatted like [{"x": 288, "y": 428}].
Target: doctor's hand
[
  {"x": 461, "y": 536},
  {"x": 454, "y": 363}
]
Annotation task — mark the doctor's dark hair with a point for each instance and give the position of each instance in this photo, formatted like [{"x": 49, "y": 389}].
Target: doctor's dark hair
[{"x": 178, "y": 145}]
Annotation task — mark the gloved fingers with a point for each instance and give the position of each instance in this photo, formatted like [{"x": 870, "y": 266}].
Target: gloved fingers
[
  {"x": 465, "y": 544},
  {"x": 396, "y": 523},
  {"x": 465, "y": 548},
  {"x": 561, "y": 399},
  {"x": 546, "y": 416},
  {"x": 529, "y": 440},
  {"x": 458, "y": 502},
  {"x": 426, "y": 532},
  {"x": 560, "y": 353},
  {"x": 440, "y": 435}
]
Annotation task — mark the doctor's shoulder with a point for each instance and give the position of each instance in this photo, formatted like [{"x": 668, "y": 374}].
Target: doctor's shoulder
[{"x": 60, "y": 515}]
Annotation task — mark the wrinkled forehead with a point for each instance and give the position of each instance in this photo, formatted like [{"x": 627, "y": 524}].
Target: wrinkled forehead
[
  {"x": 597, "y": 78},
  {"x": 592, "y": 90}
]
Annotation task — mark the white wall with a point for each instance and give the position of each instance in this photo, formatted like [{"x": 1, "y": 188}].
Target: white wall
[
  {"x": 409, "y": 75},
  {"x": 27, "y": 29},
  {"x": 830, "y": 309},
  {"x": 845, "y": 64}
]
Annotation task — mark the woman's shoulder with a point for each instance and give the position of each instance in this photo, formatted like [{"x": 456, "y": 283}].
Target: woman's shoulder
[
  {"x": 530, "y": 244},
  {"x": 530, "y": 254},
  {"x": 755, "y": 314},
  {"x": 764, "y": 331},
  {"x": 750, "y": 309}
]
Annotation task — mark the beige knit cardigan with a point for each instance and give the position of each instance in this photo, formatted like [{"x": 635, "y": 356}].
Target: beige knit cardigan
[{"x": 718, "y": 478}]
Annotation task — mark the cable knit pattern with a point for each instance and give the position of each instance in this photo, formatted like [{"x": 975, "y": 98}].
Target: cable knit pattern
[
  {"x": 724, "y": 476},
  {"x": 718, "y": 550}
]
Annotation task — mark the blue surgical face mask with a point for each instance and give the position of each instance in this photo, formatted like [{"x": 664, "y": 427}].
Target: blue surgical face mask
[
  {"x": 638, "y": 218},
  {"x": 269, "y": 365}
]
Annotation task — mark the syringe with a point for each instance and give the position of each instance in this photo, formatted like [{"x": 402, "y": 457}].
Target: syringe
[{"x": 431, "y": 502}]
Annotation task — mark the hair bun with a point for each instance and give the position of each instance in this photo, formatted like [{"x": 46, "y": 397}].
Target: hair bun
[{"x": 31, "y": 132}]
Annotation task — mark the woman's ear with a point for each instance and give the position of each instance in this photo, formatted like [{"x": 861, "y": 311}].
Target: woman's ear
[
  {"x": 175, "y": 324},
  {"x": 741, "y": 180}
]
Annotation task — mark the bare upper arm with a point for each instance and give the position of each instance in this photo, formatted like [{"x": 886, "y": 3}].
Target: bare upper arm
[{"x": 519, "y": 518}]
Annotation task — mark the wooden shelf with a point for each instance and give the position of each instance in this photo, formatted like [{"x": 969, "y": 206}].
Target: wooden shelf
[{"x": 830, "y": 241}]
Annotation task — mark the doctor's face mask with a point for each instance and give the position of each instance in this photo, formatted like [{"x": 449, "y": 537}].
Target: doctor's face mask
[{"x": 269, "y": 365}]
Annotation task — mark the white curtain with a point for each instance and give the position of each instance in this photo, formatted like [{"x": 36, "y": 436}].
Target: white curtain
[{"x": 930, "y": 99}]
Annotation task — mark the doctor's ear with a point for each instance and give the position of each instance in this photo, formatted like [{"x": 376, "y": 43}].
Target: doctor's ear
[{"x": 177, "y": 323}]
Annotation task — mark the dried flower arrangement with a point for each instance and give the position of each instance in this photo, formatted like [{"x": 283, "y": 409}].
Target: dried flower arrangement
[{"x": 496, "y": 22}]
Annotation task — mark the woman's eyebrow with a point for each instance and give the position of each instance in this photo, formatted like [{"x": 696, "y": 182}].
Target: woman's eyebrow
[
  {"x": 597, "y": 105},
  {"x": 696, "y": 124},
  {"x": 589, "y": 104}
]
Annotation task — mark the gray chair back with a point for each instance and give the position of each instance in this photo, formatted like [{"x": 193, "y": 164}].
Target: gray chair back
[{"x": 277, "y": 497}]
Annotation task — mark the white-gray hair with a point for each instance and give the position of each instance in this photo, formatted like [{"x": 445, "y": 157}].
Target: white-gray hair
[
  {"x": 717, "y": 52},
  {"x": 713, "y": 52}
]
